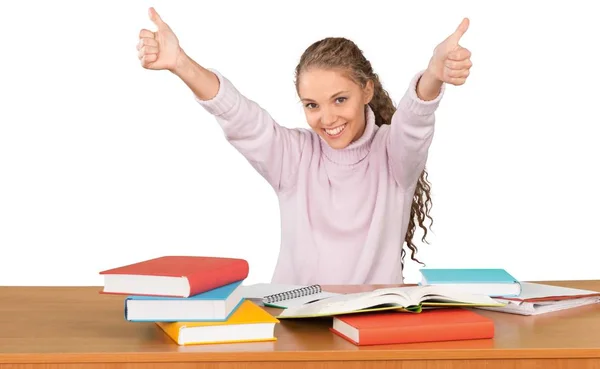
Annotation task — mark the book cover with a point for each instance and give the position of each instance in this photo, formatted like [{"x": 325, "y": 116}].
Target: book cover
[
  {"x": 453, "y": 276},
  {"x": 249, "y": 323},
  {"x": 428, "y": 326},
  {"x": 177, "y": 276},
  {"x": 214, "y": 305},
  {"x": 491, "y": 282}
]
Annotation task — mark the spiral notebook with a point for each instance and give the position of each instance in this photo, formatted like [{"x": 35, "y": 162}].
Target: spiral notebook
[{"x": 285, "y": 296}]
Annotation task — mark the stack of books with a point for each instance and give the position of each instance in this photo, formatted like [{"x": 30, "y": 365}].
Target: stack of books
[{"x": 193, "y": 299}]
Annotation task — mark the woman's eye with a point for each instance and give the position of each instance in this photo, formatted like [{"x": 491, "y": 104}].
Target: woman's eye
[
  {"x": 310, "y": 105},
  {"x": 340, "y": 99}
]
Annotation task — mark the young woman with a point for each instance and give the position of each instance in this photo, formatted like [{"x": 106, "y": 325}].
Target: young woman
[{"x": 351, "y": 189}]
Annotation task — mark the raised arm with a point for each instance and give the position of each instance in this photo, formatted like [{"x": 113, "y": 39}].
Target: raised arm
[
  {"x": 411, "y": 134},
  {"x": 412, "y": 126},
  {"x": 274, "y": 151}
]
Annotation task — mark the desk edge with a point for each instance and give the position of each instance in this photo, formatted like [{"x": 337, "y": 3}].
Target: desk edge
[{"x": 302, "y": 356}]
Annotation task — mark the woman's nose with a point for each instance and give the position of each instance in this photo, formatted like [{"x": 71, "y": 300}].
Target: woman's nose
[{"x": 328, "y": 118}]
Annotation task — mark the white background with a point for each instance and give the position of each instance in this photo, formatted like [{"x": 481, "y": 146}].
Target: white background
[{"x": 104, "y": 163}]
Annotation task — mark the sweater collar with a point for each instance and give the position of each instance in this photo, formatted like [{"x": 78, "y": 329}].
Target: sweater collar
[{"x": 357, "y": 150}]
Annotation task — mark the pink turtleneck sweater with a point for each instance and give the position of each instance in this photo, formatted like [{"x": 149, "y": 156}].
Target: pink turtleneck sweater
[{"x": 344, "y": 213}]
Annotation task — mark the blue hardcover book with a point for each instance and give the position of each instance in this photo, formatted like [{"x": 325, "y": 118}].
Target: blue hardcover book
[
  {"x": 490, "y": 282},
  {"x": 210, "y": 306}
]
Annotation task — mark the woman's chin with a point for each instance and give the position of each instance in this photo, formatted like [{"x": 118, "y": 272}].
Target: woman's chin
[{"x": 336, "y": 143}]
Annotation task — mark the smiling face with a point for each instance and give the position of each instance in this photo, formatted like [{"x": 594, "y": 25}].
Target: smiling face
[{"x": 334, "y": 105}]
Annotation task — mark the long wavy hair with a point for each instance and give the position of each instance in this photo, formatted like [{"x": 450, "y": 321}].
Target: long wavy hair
[{"x": 342, "y": 54}]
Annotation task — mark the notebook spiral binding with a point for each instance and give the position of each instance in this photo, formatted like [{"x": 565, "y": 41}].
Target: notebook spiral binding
[{"x": 288, "y": 295}]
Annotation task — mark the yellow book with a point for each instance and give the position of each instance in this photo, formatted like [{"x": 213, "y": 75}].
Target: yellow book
[{"x": 249, "y": 323}]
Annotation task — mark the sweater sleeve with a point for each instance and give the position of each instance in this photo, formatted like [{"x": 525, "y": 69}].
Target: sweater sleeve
[
  {"x": 411, "y": 134},
  {"x": 273, "y": 150}
]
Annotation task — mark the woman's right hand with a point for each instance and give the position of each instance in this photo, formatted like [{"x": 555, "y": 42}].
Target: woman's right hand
[{"x": 160, "y": 49}]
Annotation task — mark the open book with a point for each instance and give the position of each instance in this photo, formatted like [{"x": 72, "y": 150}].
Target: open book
[
  {"x": 410, "y": 299},
  {"x": 537, "y": 298}
]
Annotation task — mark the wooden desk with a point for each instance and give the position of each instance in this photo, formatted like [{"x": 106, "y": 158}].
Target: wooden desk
[{"x": 76, "y": 327}]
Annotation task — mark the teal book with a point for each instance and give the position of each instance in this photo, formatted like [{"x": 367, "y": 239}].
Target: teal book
[
  {"x": 490, "y": 282},
  {"x": 215, "y": 305}
]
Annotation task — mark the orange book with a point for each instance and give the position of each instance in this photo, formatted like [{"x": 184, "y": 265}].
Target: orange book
[
  {"x": 249, "y": 323},
  {"x": 383, "y": 328}
]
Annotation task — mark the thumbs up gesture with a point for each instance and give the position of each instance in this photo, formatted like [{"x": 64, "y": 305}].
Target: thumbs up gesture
[
  {"x": 451, "y": 62},
  {"x": 159, "y": 49}
]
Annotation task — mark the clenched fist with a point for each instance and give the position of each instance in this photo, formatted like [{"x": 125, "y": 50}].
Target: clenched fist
[
  {"x": 451, "y": 62},
  {"x": 160, "y": 49}
]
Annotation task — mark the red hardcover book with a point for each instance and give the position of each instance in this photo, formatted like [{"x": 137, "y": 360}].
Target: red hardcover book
[
  {"x": 383, "y": 328},
  {"x": 174, "y": 276}
]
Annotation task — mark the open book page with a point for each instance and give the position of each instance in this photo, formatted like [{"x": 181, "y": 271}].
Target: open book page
[
  {"x": 537, "y": 298},
  {"x": 388, "y": 298},
  {"x": 537, "y": 291},
  {"x": 542, "y": 307},
  {"x": 440, "y": 294}
]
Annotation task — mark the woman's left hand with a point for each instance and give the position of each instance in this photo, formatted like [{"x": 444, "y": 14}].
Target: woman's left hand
[{"x": 451, "y": 62}]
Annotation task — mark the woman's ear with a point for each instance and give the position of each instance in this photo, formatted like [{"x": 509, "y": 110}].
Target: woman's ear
[{"x": 369, "y": 90}]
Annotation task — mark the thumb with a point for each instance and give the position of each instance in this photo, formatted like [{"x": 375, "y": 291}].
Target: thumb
[
  {"x": 155, "y": 18},
  {"x": 460, "y": 30}
]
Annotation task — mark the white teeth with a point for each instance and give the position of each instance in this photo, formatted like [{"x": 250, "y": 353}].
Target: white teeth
[{"x": 335, "y": 131}]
